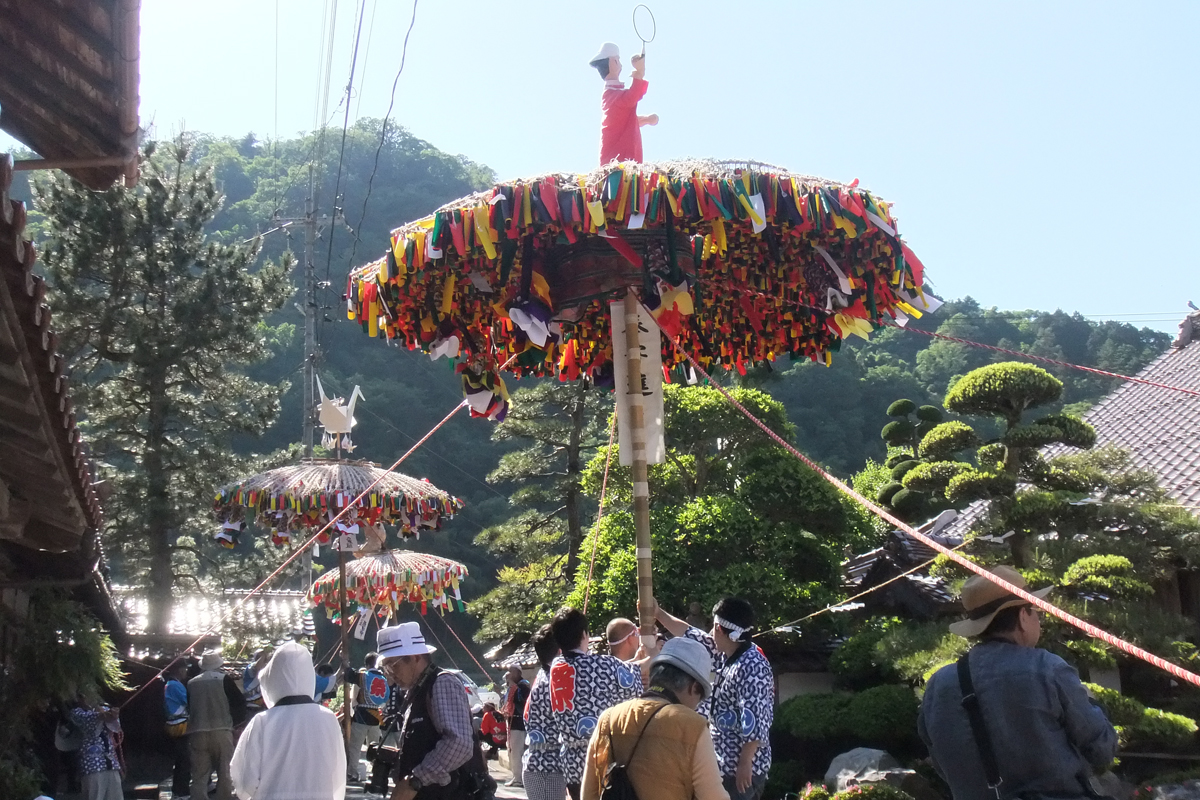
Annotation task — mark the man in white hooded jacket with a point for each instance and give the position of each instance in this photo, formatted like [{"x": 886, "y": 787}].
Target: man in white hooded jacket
[{"x": 293, "y": 750}]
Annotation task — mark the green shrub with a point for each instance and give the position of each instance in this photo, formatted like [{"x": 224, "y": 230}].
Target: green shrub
[
  {"x": 902, "y": 469},
  {"x": 1003, "y": 390},
  {"x": 901, "y": 408},
  {"x": 887, "y": 492},
  {"x": 856, "y": 662},
  {"x": 1031, "y": 436},
  {"x": 784, "y": 778},
  {"x": 17, "y": 781},
  {"x": 991, "y": 456},
  {"x": 899, "y": 431},
  {"x": 977, "y": 485},
  {"x": 896, "y": 458},
  {"x": 1119, "y": 709},
  {"x": 872, "y": 791},
  {"x": 815, "y": 791},
  {"x": 1072, "y": 430},
  {"x": 815, "y": 717},
  {"x": 883, "y": 714},
  {"x": 929, "y": 414},
  {"x": 1108, "y": 574},
  {"x": 906, "y": 501},
  {"x": 1161, "y": 730},
  {"x": 947, "y": 439},
  {"x": 934, "y": 477}
]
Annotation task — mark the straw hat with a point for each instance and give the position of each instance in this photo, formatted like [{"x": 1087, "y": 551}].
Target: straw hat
[{"x": 983, "y": 600}]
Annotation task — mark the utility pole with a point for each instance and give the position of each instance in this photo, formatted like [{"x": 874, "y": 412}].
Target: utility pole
[
  {"x": 310, "y": 309},
  {"x": 310, "y": 323}
]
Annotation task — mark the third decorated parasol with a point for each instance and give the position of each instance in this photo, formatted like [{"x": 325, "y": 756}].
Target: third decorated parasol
[
  {"x": 304, "y": 498},
  {"x": 739, "y": 262},
  {"x": 390, "y": 579}
]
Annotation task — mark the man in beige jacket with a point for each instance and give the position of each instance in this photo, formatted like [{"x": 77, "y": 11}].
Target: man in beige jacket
[{"x": 675, "y": 758}]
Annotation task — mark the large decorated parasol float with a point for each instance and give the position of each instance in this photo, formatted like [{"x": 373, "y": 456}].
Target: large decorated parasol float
[
  {"x": 739, "y": 262},
  {"x": 388, "y": 580}
]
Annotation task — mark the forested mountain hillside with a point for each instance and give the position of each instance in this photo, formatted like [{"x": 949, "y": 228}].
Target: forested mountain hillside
[{"x": 838, "y": 410}]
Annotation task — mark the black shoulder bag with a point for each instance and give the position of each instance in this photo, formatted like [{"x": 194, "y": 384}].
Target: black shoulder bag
[
  {"x": 983, "y": 740},
  {"x": 617, "y": 785}
]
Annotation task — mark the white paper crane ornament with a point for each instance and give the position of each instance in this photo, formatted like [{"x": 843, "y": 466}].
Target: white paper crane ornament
[{"x": 337, "y": 418}]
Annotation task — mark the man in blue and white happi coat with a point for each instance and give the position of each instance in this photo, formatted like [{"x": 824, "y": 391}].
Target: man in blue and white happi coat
[
  {"x": 742, "y": 706},
  {"x": 542, "y": 762},
  {"x": 582, "y": 686}
]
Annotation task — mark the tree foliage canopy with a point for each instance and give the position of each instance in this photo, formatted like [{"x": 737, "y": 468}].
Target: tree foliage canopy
[{"x": 160, "y": 324}]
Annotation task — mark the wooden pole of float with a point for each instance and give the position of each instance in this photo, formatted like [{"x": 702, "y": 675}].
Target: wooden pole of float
[
  {"x": 641, "y": 485},
  {"x": 346, "y": 711}
]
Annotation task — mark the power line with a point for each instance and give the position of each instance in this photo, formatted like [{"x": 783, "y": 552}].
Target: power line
[
  {"x": 337, "y": 186},
  {"x": 333, "y": 385},
  {"x": 383, "y": 134},
  {"x": 366, "y": 60},
  {"x": 275, "y": 140}
]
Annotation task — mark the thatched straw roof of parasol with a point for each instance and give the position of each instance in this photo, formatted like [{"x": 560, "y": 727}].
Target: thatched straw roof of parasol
[
  {"x": 395, "y": 562},
  {"x": 328, "y": 477},
  {"x": 705, "y": 168}
]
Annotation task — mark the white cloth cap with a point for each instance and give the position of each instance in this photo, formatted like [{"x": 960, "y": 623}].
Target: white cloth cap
[
  {"x": 607, "y": 50},
  {"x": 289, "y": 673},
  {"x": 404, "y": 639}
]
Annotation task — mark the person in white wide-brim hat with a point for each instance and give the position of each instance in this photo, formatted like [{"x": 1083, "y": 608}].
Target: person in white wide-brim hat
[
  {"x": 1009, "y": 714},
  {"x": 437, "y": 741}
]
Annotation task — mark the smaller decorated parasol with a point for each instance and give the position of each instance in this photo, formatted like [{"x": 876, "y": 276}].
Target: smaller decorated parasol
[
  {"x": 307, "y": 495},
  {"x": 390, "y": 579}
]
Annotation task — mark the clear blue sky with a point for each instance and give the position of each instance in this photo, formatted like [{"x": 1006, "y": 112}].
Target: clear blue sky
[{"x": 1039, "y": 155}]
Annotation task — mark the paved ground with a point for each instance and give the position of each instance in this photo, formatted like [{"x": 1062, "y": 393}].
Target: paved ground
[{"x": 499, "y": 771}]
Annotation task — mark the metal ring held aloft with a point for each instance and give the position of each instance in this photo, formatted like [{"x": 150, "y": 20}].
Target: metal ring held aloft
[{"x": 653, "y": 26}]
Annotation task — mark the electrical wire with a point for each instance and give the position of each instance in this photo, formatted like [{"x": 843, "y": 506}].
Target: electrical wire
[
  {"x": 337, "y": 186},
  {"x": 486, "y": 674},
  {"x": 888, "y": 582},
  {"x": 383, "y": 134},
  {"x": 366, "y": 60},
  {"x": 1052, "y": 361},
  {"x": 366, "y": 409}
]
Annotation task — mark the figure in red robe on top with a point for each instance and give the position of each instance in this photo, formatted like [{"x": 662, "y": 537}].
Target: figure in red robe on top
[{"x": 620, "y": 127}]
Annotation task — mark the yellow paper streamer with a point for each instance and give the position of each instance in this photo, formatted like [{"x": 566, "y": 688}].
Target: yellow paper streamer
[
  {"x": 448, "y": 293},
  {"x": 483, "y": 232},
  {"x": 719, "y": 242}
]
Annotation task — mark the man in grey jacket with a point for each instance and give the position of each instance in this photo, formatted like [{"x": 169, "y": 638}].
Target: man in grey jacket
[
  {"x": 214, "y": 705},
  {"x": 1046, "y": 735}
]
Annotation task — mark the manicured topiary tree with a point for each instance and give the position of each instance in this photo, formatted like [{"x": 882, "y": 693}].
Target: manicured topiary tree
[{"x": 905, "y": 437}]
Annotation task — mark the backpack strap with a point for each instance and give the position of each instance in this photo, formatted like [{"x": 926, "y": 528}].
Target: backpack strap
[
  {"x": 983, "y": 739},
  {"x": 612, "y": 756}
]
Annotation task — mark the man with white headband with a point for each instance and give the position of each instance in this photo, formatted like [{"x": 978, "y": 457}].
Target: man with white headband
[
  {"x": 622, "y": 638},
  {"x": 742, "y": 706}
]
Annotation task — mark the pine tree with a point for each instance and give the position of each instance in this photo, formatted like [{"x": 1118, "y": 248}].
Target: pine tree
[
  {"x": 563, "y": 424},
  {"x": 158, "y": 324}
]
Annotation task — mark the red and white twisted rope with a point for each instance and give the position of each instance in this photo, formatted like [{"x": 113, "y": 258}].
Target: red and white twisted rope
[{"x": 1038, "y": 602}]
